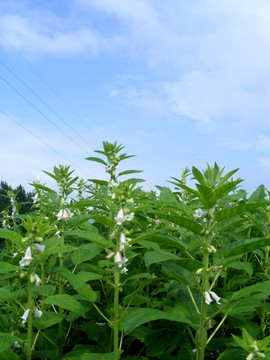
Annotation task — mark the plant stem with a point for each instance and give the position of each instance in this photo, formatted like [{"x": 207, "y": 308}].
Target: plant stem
[
  {"x": 202, "y": 336},
  {"x": 29, "y": 318},
  {"x": 116, "y": 312}
]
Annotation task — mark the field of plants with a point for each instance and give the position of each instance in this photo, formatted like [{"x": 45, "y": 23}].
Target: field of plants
[{"x": 103, "y": 270}]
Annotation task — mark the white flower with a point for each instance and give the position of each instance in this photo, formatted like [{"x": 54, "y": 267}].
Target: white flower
[
  {"x": 199, "y": 213},
  {"x": 109, "y": 167},
  {"x": 267, "y": 198},
  {"x": 208, "y": 299},
  {"x": 110, "y": 255},
  {"x": 120, "y": 217},
  {"x": 35, "y": 198},
  {"x": 64, "y": 214},
  {"x": 215, "y": 297},
  {"x": 118, "y": 259},
  {"x": 25, "y": 316},
  {"x": 112, "y": 183},
  {"x": 26, "y": 260},
  {"x": 14, "y": 254},
  {"x": 37, "y": 279},
  {"x": 124, "y": 270},
  {"x": 250, "y": 356},
  {"x": 40, "y": 248},
  {"x": 16, "y": 344},
  {"x": 123, "y": 242},
  {"x": 38, "y": 313},
  {"x": 129, "y": 217}
]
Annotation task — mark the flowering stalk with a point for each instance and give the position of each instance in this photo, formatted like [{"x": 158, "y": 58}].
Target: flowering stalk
[
  {"x": 202, "y": 333},
  {"x": 29, "y": 317},
  {"x": 116, "y": 306}
]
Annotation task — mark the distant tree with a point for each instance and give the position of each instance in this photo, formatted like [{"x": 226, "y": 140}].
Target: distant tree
[{"x": 21, "y": 196}]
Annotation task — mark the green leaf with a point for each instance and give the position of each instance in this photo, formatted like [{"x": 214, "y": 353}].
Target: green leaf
[
  {"x": 167, "y": 240},
  {"x": 236, "y": 210},
  {"x": 47, "y": 319},
  {"x": 65, "y": 301},
  {"x": 86, "y": 293},
  {"x": 7, "y": 294},
  {"x": 181, "y": 221},
  {"x": 92, "y": 158},
  {"x": 239, "y": 265},
  {"x": 129, "y": 172},
  {"x": 244, "y": 246},
  {"x": 6, "y": 267},
  {"x": 224, "y": 189},
  {"x": 77, "y": 280},
  {"x": 178, "y": 273},
  {"x": 241, "y": 342},
  {"x": 138, "y": 316},
  {"x": 12, "y": 236},
  {"x": 59, "y": 250},
  {"x": 85, "y": 252},
  {"x": 99, "y": 182},
  {"x": 104, "y": 220},
  {"x": 7, "y": 340},
  {"x": 263, "y": 287},
  {"x": 93, "y": 237},
  {"x": 152, "y": 257},
  {"x": 198, "y": 176},
  {"x": 207, "y": 196}
]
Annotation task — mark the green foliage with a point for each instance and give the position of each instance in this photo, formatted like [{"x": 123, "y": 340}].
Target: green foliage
[{"x": 101, "y": 269}]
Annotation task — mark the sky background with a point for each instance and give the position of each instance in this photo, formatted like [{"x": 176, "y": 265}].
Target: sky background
[{"x": 179, "y": 83}]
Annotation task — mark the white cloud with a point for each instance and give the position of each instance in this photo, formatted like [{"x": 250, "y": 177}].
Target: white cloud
[{"x": 29, "y": 35}]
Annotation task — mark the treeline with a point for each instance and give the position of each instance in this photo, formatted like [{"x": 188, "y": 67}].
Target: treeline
[{"x": 21, "y": 196}]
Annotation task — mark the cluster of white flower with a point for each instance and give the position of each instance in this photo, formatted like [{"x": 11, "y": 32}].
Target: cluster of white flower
[
  {"x": 64, "y": 214},
  {"x": 120, "y": 258},
  {"x": 210, "y": 296},
  {"x": 120, "y": 218},
  {"x": 13, "y": 203},
  {"x": 27, "y": 258},
  {"x": 37, "y": 313}
]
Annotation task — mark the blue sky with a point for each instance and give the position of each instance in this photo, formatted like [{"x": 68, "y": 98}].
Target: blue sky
[{"x": 180, "y": 83}]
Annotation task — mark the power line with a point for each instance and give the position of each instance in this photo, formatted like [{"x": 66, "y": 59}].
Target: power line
[
  {"x": 44, "y": 115},
  {"x": 48, "y": 85},
  {"x": 44, "y": 142},
  {"x": 43, "y": 102}
]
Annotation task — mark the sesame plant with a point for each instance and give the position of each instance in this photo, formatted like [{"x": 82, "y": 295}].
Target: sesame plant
[{"x": 103, "y": 270}]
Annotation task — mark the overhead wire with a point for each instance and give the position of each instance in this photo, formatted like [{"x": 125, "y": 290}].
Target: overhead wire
[
  {"x": 42, "y": 113},
  {"x": 48, "y": 85},
  {"x": 44, "y": 142},
  {"x": 43, "y": 102}
]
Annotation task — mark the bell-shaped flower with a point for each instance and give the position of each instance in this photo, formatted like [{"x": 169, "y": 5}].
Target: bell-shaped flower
[
  {"x": 40, "y": 248},
  {"x": 118, "y": 259},
  {"x": 38, "y": 313},
  {"x": 124, "y": 270},
  {"x": 129, "y": 217},
  {"x": 199, "y": 213},
  {"x": 25, "y": 316},
  {"x": 35, "y": 198},
  {"x": 64, "y": 214},
  {"x": 26, "y": 260},
  {"x": 120, "y": 218},
  {"x": 215, "y": 297},
  {"x": 123, "y": 242},
  {"x": 208, "y": 299},
  {"x": 37, "y": 279}
]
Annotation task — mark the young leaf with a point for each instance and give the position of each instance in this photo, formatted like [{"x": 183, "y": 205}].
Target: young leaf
[{"x": 91, "y": 158}]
